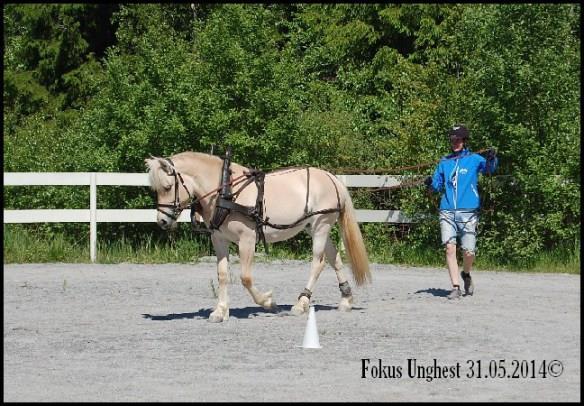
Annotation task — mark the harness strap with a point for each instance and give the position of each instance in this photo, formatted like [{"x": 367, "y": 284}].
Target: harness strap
[
  {"x": 225, "y": 203},
  {"x": 225, "y": 194},
  {"x": 254, "y": 212},
  {"x": 171, "y": 214},
  {"x": 300, "y": 220},
  {"x": 232, "y": 206},
  {"x": 307, "y": 213},
  {"x": 196, "y": 207},
  {"x": 258, "y": 213},
  {"x": 337, "y": 192},
  {"x": 307, "y": 189}
]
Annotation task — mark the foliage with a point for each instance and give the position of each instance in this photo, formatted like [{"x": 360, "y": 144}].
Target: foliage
[{"x": 96, "y": 87}]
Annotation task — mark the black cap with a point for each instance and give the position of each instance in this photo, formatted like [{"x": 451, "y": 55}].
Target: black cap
[{"x": 458, "y": 131}]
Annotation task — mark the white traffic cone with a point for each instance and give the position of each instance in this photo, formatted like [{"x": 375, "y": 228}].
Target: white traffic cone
[{"x": 311, "y": 332}]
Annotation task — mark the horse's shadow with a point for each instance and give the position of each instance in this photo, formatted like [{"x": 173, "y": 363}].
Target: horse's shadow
[
  {"x": 434, "y": 292},
  {"x": 238, "y": 313}
]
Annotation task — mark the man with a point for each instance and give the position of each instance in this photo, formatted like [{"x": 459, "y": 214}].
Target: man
[{"x": 457, "y": 174}]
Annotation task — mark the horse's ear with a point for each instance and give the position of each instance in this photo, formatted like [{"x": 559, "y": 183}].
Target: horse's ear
[
  {"x": 166, "y": 166},
  {"x": 150, "y": 162}
]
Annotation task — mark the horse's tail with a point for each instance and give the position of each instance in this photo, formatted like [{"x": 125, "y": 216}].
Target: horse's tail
[{"x": 353, "y": 241}]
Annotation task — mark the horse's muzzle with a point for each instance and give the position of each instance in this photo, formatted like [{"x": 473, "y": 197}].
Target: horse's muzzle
[{"x": 165, "y": 224}]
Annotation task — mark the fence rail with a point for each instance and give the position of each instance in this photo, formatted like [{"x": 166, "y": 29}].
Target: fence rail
[{"x": 93, "y": 215}]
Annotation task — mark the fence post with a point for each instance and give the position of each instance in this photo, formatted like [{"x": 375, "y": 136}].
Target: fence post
[{"x": 92, "y": 216}]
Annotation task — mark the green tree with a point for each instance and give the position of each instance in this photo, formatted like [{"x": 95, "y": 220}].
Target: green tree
[
  {"x": 100, "y": 87},
  {"x": 513, "y": 79}
]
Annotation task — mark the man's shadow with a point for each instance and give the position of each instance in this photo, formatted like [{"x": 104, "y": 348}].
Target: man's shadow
[
  {"x": 238, "y": 313},
  {"x": 435, "y": 292}
]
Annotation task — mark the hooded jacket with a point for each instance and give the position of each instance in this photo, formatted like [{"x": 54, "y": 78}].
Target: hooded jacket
[{"x": 457, "y": 174}]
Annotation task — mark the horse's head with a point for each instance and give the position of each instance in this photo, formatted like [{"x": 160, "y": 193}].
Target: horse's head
[{"x": 172, "y": 189}]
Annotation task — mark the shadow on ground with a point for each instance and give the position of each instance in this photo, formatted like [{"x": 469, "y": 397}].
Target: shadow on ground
[
  {"x": 241, "y": 313},
  {"x": 435, "y": 292}
]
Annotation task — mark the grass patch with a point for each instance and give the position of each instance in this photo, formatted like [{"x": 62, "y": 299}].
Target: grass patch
[
  {"x": 151, "y": 252},
  {"x": 22, "y": 245},
  {"x": 405, "y": 254},
  {"x": 560, "y": 260}
]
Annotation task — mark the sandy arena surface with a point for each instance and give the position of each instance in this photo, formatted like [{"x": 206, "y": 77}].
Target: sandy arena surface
[{"x": 99, "y": 333}]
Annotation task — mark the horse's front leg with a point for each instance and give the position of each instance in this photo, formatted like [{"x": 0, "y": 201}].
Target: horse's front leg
[
  {"x": 221, "y": 246},
  {"x": 246, "y": 251}
]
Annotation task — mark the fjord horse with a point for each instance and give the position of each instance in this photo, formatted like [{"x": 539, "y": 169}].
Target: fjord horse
[{"x": 294, "y": 199}]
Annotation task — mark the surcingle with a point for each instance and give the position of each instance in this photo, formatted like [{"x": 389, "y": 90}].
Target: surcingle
[{"x": 224, "y": 194}]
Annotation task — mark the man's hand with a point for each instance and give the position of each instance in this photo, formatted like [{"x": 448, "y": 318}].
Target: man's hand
[
  {"x": 491, "y": 154},
  {"x": 428, "y": 182}
]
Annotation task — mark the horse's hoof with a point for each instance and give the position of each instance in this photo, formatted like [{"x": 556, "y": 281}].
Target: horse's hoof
[
  {"x": 271, "y": 306},
  {"x": 268, "y": 303},
  {"x": 345, "y": 308},
  {"x": 346, "y": 304},
  {"x": 297, "y": 310},
  {"x": 217, "y": 317}
]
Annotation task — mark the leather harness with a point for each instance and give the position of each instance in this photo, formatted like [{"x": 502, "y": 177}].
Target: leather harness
[{"x": 225, "y": 202}]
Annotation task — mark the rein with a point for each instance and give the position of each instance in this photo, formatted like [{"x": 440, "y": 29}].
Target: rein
[
  {"x": 419, "y": 181},
  {"x": 395, "y": 170},
  {"x": 225, "y": 203}
]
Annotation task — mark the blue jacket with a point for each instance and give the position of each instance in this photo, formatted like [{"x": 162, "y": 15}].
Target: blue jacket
[{"x": 458, "y": 175}]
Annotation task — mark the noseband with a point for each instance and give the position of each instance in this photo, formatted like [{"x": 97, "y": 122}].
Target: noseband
[{"x": 175, "y": 207}]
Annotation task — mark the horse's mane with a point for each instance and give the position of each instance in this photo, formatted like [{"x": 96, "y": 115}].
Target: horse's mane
[{"x": 158, "y": 178}]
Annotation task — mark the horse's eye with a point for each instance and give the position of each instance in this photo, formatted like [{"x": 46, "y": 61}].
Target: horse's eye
[{"x": 167, "y": 188}]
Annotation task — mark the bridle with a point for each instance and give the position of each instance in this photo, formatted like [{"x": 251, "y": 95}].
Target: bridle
[
  {"x": 175, "y": 208},
  {"x": 194, "y": 203}
]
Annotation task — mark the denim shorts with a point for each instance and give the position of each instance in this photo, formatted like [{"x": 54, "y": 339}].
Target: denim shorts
[{"x": 462, "y": 224}]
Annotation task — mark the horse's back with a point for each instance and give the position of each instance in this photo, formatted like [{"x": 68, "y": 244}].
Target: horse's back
[{"x": 290, "y": 193}]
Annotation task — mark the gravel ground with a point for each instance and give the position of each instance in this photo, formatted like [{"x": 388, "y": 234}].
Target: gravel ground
[{"x": 126, "y": 332}]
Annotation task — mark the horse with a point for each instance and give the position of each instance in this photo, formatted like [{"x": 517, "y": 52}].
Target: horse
[{"x": 294, "y": 199}]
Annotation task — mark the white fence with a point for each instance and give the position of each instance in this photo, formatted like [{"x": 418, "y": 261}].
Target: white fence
[{"x": 94, "y": 215}]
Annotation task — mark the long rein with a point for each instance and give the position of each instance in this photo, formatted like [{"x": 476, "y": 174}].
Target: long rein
[
  {"x": 417, "y": 182},
  {"x": 194, "y": 202}
]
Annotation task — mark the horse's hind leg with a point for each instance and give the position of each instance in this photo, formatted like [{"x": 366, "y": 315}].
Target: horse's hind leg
[
  {"x": 221, "y": 312},
  {"x": 246, "y": 251},
  {"x": 334, "y": 258},
  {"x": 319, "y": 238}
]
